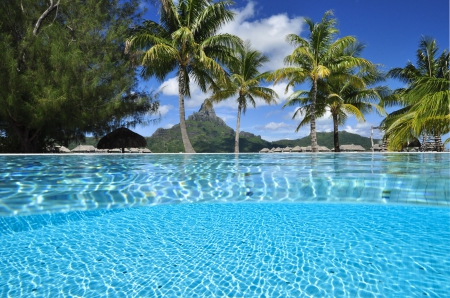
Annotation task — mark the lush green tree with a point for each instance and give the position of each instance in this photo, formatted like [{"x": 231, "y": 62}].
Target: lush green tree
[
  {"x": 64, "y": 71},
  {"x": 315, "y": 58},
  {"x": 245, "y": 83},
  {"x": 343, "y": 93},
  {"x": 185, "y": 40},
  {"x": 424, "y": 101}
]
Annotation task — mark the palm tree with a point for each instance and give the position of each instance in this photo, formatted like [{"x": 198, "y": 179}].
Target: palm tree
[
  {"x": 244, "y": 83},
  {"x": 185, "y": 40},
  {"x": 341, "y": 99},
  {"x": 425, "y": 106},
  {"x": 316, "y": 58}
]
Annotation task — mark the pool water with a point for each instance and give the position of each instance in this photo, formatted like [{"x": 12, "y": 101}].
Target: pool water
[{"x": 281, "y": 225}]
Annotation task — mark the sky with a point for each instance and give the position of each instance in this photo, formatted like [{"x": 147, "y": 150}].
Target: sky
[{"x": 389, "y": 29}]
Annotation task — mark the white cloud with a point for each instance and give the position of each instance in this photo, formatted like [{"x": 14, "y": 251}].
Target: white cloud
[
  {"x": 267, "y": 35},
  {"x": 363, "y": 129},
  {"x": 170, "y": 88},
  {"x": 169, "y": 125},
  {"x": 226, "y": 117},
  {"x": 275, "y": 126},
  {"x": 164, "y": 109}
]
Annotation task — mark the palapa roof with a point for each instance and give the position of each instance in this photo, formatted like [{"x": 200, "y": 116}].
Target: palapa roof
[
  {"x": 278, "y": 150},
  {"x": 121, "y": 138},
  {"x": 324, "y": 149},
  {"x": 264, "y": 150},
  {"x": 83, "y": 149},
  {"x": 296, "y": 149},
  {"x": 352, "y": 147},
  {"x": 62, "y": 149}
]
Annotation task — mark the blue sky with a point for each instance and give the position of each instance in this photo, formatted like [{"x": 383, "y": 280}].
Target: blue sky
[{"x": 390, "y": 29}]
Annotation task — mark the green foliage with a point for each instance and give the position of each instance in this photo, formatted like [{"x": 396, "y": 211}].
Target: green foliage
[
  {"x": 185, "y": 40},
  {"x": 319, "y": 56},
  {"x": 67, "y": 75},
  {"x": 245, "y": 83},
  {"x": 425, "y": 99}
]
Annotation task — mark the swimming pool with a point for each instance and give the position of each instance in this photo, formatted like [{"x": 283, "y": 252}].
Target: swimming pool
[{"x": 276, "y": 225}]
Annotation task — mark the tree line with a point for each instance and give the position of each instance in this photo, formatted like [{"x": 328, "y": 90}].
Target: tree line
[{"x": 70, "y": 67}]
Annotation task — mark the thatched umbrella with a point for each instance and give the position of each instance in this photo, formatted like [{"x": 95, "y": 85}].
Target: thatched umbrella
[
  {"x": 121, "y": 138},
  {"x": 352, "y": 148},
  {"x": 84, "y": 149},
  {"x": 62, "y": 149},
  {"x": 324, "y": 149}
]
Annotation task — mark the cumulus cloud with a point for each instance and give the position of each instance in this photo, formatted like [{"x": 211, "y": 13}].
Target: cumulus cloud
[
  {"x": 267, "y": 35},
  {"x": 275, "y": 126},
  {"x": 168, "y": 125},
  {"x": 363, "y": 129},
  {"x": 170, "y": 88},
  {"x": 164, "y": 109}
]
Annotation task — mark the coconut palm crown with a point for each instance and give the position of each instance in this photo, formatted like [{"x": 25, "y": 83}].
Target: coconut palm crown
[
  {"x": 244, "y": 83},
  {"x": 315, "y": 58},
  {"x": 424, "y": 101},
  {"x": 185, "y": 40}
]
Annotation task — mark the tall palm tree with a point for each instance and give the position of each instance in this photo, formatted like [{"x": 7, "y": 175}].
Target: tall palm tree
[
  {"x": 185, "y": 40},
  {"x": 316, "y": 58},
  {"x": 425, "y": 105},
  {"x": 245, "y": 83},
  {"x": 345, "y": 92}
]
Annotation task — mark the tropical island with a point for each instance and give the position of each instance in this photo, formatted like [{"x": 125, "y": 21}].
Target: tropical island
[{"x": 70, "y": 71}]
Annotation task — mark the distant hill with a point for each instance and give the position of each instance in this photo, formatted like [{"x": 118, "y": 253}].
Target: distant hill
[
  {"x": 207, "y": 133},
  {"x": 210, "y": 134},
  {"x": 326, "y": 139}
]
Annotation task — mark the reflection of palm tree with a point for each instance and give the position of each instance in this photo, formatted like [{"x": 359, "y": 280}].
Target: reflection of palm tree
[
  {"x": 245, "y": 83},
  {"x": 342, "y": 93},
  {"x": 316, "y": 58},
  {"x": 425, "y": 100},
  {"x": 185, "y": 40}
]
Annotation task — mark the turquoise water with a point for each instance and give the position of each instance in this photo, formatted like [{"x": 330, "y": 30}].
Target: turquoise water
[{"x": 286, "y": 225}]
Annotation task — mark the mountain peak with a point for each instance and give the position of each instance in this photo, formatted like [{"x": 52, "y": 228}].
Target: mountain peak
[{"x": 206, "y": 113}]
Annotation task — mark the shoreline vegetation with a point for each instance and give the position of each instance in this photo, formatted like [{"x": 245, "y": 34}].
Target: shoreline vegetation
[{"x": 71, "y": 70}]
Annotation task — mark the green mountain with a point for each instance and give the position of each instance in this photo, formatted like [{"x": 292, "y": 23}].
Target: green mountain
[
  {"x": 210, "y": 134},
  {"x": 207, "y": 133},
  {"x": 326, "y": 139}
]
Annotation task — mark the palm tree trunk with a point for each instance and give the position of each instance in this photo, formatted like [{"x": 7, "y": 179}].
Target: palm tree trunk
[
  {"x": 184, "y": 135},
  {"x": 238, "y": 124},
  {"x": 314, "y": 147},
  {"x": 336, "y": 133}
]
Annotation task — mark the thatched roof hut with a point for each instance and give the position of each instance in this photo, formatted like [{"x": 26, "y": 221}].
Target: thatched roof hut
[
  {"x": 121, "y": 138},
  {"x": 296, "y": 149},
  {"x": 62, "y": 149},
  {"x": 323, "y": 149},
  {"x": 352, "y": 148},
  {"x": 84, "y": 149},
  {"x": 264, "y": 150}
]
